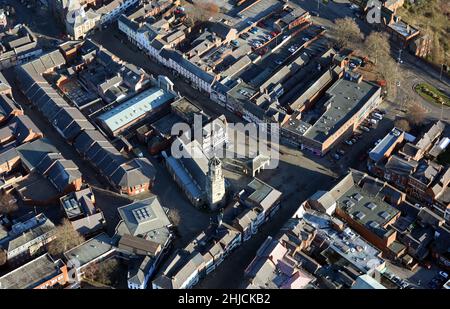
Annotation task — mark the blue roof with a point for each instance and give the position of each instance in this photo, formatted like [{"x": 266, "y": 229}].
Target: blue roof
[
  {"x": 135, "y": 108},
  {"x": 377, "y": 153}
]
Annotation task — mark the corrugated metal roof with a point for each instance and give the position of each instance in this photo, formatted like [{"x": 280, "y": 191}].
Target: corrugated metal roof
[{"x": 135, "y": 108}]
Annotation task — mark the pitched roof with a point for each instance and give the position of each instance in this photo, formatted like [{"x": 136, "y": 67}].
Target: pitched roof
[
  {"x": 141, "y": 217},
  {"x": 134, "y": 173}
]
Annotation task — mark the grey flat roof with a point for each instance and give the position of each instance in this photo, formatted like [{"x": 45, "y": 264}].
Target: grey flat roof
[
  {"x": 377, "y": 153},
  {"x": 345, "y": 98},
  {"x": 92, "y": 249},
  {"x": 366, "y": 209},
  {"x": 32, "y": 274}
]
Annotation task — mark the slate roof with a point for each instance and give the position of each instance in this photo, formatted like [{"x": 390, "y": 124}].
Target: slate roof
[
  {"x": 141, "y": 217},
  {"x": 134, "y": 173},
  {"x": 32, "y": 153},
  {"x": 7, "y": 106}
]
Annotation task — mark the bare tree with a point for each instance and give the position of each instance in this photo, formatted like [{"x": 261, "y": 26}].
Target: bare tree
[
  {"x": 66, "y": 239},
  {"x": 203, "y": 11},
  {"x": 90, "y": 271},
  {"x": 174, "y": 216},
  {"x": 377, "y": 45},
  {"x": 436, "y": 50},
  {"x": 416, "y": 114},
  {"x": 8, "y": 203},
  {"x": 3, "y": 257},
  {"x": 103, "y": 272},
  {"x": 389, "y": 70},
  {"x": 403, "y": 124},
  {"x": 347, "y": 32}
]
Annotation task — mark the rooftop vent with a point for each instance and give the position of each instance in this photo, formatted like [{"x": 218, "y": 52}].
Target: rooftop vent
[
  {"x": 384, "y": 215},
  {"x": 371, "y": 206}
]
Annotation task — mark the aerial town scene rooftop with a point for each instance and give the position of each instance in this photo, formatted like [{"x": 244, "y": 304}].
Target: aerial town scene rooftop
[{"x": 224, "y": 144}]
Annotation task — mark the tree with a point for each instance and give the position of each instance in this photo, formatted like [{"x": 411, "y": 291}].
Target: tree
[
  {"x": 8, "y": 204},
  {"x": 416, "y": 114},
  {"x": 66, "y": 239},
  {"x": 389, "y": 69},
  {"x": 103, "y": 272},
  {"x": 203, "y": 11},
  {"x": 3, "y": 257},
  {"x": 348, "y": 33},
  {"x": 403, "y": 124},
  {"x": 436, "y": 50},
  {"x": 174, "y": 216},
  {"x": 377, "y": 45}
]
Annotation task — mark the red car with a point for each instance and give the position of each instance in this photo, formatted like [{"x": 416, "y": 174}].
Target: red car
[{"x": 273, "y": 33}]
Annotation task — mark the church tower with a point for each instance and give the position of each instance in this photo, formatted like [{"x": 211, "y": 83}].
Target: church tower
[{"x": 215, "y": 184}]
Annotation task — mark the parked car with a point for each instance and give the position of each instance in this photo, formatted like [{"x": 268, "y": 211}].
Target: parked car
[
  {"x": 341, "y": 152},
  {"x": 254, "y": 30},
  {"x": 349, "y": 142},
  {"x": 365, "y": 129},
  {"x": 235, "y": 43},
  {"x": 377, "y": 116},
  {"x": 336, "y": 156},
  {"x": 443, "y": 274},
  {"x": 279, "y": 61}
]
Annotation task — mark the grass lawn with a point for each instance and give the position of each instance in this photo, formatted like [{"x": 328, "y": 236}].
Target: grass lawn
[{"x": 431, "y": 94}]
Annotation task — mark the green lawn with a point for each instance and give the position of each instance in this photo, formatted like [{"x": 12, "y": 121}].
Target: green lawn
[{"x": 431, "y": 94}]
